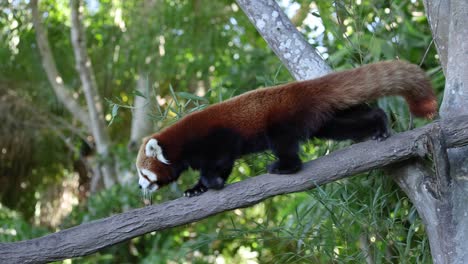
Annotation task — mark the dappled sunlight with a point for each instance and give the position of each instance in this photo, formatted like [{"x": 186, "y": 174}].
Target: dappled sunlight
[{"x": 57, "y": 202}]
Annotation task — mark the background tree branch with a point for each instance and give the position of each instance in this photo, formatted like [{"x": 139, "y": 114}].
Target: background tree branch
[
  {"x": 63, "y": 93},
  {"x": 90, "y": 237},
  {"x": 93, "y": 100}
]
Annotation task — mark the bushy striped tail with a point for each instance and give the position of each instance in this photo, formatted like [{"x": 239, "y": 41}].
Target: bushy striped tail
[{"x": 387, "y": 78}]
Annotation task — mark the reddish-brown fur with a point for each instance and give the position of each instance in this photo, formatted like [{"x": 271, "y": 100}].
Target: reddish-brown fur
[{"x": 252, "y": 112}]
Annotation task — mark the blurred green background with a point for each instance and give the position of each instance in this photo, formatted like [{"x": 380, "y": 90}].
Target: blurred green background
[{"x": 195, "y": 53}]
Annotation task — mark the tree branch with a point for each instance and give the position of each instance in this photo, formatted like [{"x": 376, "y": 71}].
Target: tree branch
[
  {"x": 299, "y": 57},
  {"x": 93, "y": 236},
  {"x": 48, "y": 63},
  {"x": 93, "y": 100}
]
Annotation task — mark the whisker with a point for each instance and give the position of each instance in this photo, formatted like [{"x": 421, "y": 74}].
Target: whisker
[{"x": 147, "y": 197}]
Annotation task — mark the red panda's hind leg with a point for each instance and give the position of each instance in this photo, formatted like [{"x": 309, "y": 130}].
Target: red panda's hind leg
[
  {"x": 356, "y": 123},
  {"x": 284, "y": 142}
]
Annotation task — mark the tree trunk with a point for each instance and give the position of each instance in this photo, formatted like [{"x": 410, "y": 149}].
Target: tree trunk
[
  {"x": 88, "y": 81},
  {"x": 443, "y": 204},
  {"x": 456, "y": 103},
  {"x": 63, "y": 93}
]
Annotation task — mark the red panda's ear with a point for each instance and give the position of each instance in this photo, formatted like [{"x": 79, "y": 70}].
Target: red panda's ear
[{"x": 152, "y": 149}]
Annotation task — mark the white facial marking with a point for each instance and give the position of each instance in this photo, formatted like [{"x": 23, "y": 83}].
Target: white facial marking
[
  {"x": 152, "y": 176},
  {"x": 143, "y": 181},
  {"x": 152, "y": 149}
]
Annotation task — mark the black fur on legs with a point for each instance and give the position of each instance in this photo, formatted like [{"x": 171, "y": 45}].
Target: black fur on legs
[
  {"x": 283, "y": 140},
  {"x": 356, "y": 123},
  {"x": 214, "y": 157}
]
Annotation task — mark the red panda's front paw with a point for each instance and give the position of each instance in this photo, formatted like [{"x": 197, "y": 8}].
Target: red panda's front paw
[
  {"x": 381, "y": 136},
  {"x": 195, "y": 191},
  {"x": 381, "y": 133}
]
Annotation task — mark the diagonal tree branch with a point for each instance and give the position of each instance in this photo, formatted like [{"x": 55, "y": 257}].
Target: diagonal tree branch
[
  {"x": 88, "y": 238},
  {"x": 48, "y": 63},
  {"x": 299, "y": 57}
]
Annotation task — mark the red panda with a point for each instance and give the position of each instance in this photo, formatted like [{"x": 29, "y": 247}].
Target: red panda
[{"x": 279, "y": 118}]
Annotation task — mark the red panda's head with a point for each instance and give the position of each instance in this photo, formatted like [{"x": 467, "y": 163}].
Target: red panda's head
[{"x": 154, "y": 170}]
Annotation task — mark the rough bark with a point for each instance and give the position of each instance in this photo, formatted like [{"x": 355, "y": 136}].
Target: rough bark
[
  {"x": 62, "y": 92},
  {"x": 456, "y": 103},
  {"x": 456, "y": 89},
  {"x": 299, "y": 57},
  {"x": 90, "y": 237},
  {"x": 93, "y": 100}
]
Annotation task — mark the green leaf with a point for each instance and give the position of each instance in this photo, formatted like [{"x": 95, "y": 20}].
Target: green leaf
[
  {"x": 200, "y": 107},
  {"x": 174, "y": 95},
  {"x": 115, "y": 111},
  {"x": 190, "y": 96}
]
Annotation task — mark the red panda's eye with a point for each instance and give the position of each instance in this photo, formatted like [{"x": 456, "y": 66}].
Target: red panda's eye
[{"x": 146, "y": 177}]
